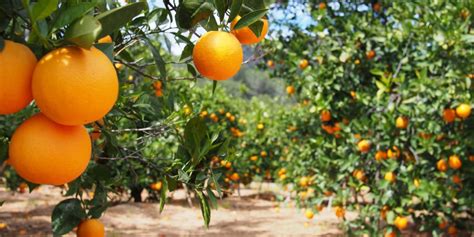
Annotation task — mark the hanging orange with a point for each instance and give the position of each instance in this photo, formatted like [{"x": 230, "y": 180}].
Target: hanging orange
[
  {"x": 75, "y": 86},
  {"x": 44, "y": 152},
  {"x": 245, "y": 35},
  {"x": 218, "y": 55},
  {"x": 17, "y": 64}
]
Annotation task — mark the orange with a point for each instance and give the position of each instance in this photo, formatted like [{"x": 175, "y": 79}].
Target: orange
[
  {"x": 383, "y": 212},
  {"x": 91, "y": 228},
  {"x": 245, "y": 35},
  {"x": 454, "y": 162},
  {"x": 441, "y": 165},
  {"x": 391, "y": 234},
  {"x": 260, "y": 126},
  {"x": 456, "y": 179},
  {"x": 442, "y": 225},
  {"x": 309, "y": 214},
  {"x": 452, "y": 230},
  {"x": 44, "y": 152},
  {"x": 290, "y": 90},
  {"x": 235, "y": 177},
  {"x": 370, "y": 55},
  {"x": 376, "y": 7},
  {"x": 359, "y": 174},
  {"x": 270, "y": 64},
  {"x": 75, "y": 86},
  {"x": 401, "y": 222},
  {"x": 17, "y": 64},
  {"x": 393, "y": 153},
  {"x": 325, "y": 116},
  {"x": 263, "y": 154},
  {"x": 380, "y": 155},
  {"x": 254, "y": 158},
  {"x": 463, "y": 111},
  {"x": 340, "y": 212},
  {"x": 218, "y": 55},
  {"x": 303, "y": 64},
  {"x": 401, "y": 122},
  {"x": 304, "y": 181},
  {"x": 156, "y": 186},
  {"x": 105, "y": 39},
  {"x": 390, "y": 177},
  {"x": 449, "y": 115},
  {"x": 364, "y": 146},
  {"x": 322, "y": 6}
]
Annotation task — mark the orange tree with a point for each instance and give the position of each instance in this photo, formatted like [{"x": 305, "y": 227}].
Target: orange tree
[
  {"x": 387, "y": 130},
  {"x": 97, "y": 68}
]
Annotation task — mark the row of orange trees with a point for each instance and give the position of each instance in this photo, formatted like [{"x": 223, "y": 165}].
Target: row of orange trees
[{"x": 384, "y": 127}]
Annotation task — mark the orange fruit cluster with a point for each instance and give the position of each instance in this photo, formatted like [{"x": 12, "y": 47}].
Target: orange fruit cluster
[{"x": 72, "y": 87}]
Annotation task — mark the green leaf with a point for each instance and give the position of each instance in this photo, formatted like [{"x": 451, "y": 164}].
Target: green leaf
[
  {"x": 107, "y": 49},
  {"x": 84, "y": 31},
  {"x": 212, "y": 197},
  {"x": 164, "y": 190},
  {"x": 67, "y": 215},
  {"x": 187, "y": 52},
  {"x": 96, "y": 211},
  {"x": 43, "y": 8},
  {"x": 68, "y": 14},
  {"x": 221, "y": 6},
  {"x": 214, "y": 86},
  {"x": 116, "y": 18},
  {"x": 2, "y": 202},
  {"x": 73, "y": 187},
  {"x": 235, "y": 9},
  {"x": 250, "y": 18},
  {"x": 210, "y": 24},
  {"x": 257, "y": 28},
  {"x": 160, "y": 63},
  {"x": 205, "y": 209},
  {"x": 191, "y": 12},
  {"x": 2, "y": 43}
]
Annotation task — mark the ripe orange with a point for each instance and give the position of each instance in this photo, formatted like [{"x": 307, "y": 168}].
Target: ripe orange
[
  {"x": 463, "y": 111},
  {"x": 156, "y": 186},
  {"x": 383, "y": 212},
  {"x": 456, "y": 179},
  {"x": 44, "y": 152},
  {"x": 91, "y": 228},
  {"x": 17, "y": 64},
  {"x": 441, "y": 165},
  {"x": 290, "y": 90},
  {"x": 263, "y": 154},
  {"x": 454, "y": 162},
  {"x": 235, "y": 177},
  {"x": 452, "y": 230},
  {"x": 254, "y": 158},
  {"x": 370, "y": 55},
  {"x": 377, "y": 6},
  {"x": 75, "y": 86},
  {"x": 325, "y": 116},
  {"x": 442, "y": 225},
  {"x": 359, "y": 174},
  {"x": 364, "y": 146},
  {"x": 105, "y": 39},
  {"x": 380, "y": 155},
  {"x": 401, "y": 222},
  {"x": 303, "y": 64},
  {"x": 401, "y": 122},
  {"x": 309, "y": 214},
  {"x": 393, "y": 153},
  {"x": 218, "y": 55},
  {"x": 304, "y": 181},
  {"x": 340, "y": 212},
  {"x": 390, "y": 177},
  {"x": 260, "y": 126},
  {"x": 245, "y": 35},
  {"x": 449, "y": 115},
  {"x": 391, "y": 234},
  {"x": 322, "y": 5},
  {"x": 270, "y": 64}
]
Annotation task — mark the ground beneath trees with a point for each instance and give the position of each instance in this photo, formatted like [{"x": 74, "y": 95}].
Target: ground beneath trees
[{"x": 248, "y": 215}]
